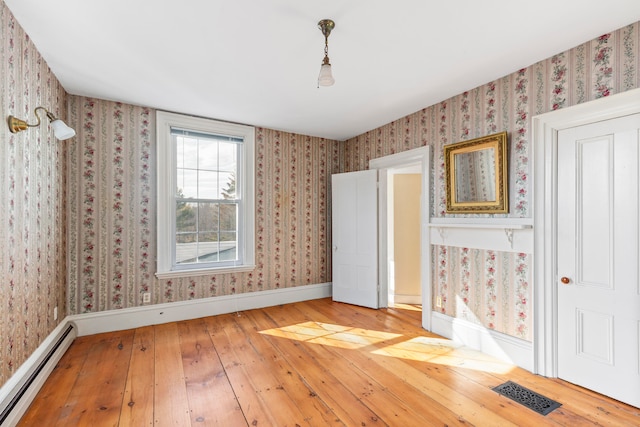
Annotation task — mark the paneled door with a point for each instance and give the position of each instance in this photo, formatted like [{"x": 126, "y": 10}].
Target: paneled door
[
  {"x": 598, "y": 253},
  {"x": 354, "y": 205}
]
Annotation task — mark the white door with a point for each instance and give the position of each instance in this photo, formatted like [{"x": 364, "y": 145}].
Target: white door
[
  {"x": 354, "y": 205},
  {"x": 598, "y": 253}
]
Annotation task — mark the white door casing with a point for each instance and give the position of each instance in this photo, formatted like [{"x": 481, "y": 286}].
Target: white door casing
[
  {"x": 422, "y": 157},
  {"x": 598, "y": 251},
  {"x": 545, "y": 167},
  {"x": 354, "y": 205}
]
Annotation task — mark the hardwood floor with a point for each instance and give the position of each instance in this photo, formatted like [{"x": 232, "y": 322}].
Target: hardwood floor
[{"x": 314, "y": 363}]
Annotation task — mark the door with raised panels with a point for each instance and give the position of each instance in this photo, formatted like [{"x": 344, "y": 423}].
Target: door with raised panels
[
  {"x": 598, "y": 253},
  {"x": 354, "y": 206}
]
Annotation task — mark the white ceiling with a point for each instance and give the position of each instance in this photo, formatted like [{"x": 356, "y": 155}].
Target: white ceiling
[{"x": 257, "y": 61}]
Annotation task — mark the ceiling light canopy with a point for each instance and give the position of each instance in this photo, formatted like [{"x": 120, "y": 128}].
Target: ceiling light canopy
[{"x": 326, "y": 78}]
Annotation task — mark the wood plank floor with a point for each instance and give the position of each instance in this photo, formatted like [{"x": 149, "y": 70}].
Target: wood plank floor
[{"x": 315, "y": 363}]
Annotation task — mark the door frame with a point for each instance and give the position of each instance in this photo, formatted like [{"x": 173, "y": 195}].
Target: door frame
[
  {"x": 545, "y": 190},
  {"x": 420, "y": 156}
]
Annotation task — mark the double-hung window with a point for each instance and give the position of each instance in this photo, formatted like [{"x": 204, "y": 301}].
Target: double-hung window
[{"x": 205, "y": 196}]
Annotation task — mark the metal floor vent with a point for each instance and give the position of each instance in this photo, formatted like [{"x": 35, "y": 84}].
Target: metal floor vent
[{"x": 524, "y": 396}]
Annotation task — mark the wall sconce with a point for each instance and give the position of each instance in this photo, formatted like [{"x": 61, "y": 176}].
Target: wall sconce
[
  {"x": 325, "y": 78},
  {"x": 60, "y": 128}
]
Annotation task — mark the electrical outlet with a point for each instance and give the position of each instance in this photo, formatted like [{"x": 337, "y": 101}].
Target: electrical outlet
[
  {"x": 439, "y": 301},
  {"x": 55, "y": 313},
  {"x": 146, "y": 297}
]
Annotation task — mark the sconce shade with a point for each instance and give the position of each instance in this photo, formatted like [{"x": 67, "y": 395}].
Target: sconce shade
[
  {"x": 61, "y": 130},
  {"x": 325, "y": 78}
]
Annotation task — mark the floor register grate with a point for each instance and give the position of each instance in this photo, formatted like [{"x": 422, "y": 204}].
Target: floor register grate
[{"x": 524, "y": 396}]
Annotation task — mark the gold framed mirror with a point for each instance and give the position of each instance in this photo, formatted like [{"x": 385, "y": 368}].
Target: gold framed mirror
[{"x": 476, "y": 172}]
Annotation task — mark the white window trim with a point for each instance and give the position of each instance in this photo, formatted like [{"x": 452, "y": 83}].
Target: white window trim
[{"x": 166, "y": 181}]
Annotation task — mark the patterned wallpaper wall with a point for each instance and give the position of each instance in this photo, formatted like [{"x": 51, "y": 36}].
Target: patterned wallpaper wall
[
  {"x": 92, "y": 197},
  {"x": 32, "y": 201},
  {"x": 112, "y": 236},
  {"x": 491, "y": 288}
]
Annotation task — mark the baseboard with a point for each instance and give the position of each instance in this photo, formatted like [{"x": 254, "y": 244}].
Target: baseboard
[
  {"x": 407, "y": 299},
  {"x": 501, "y": 346},
  {"x": 136, "y": 317},
  {"x": 19, "y": 391}
]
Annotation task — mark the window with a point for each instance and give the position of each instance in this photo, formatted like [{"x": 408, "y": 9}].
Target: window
[{"x": 205, "y": 196}]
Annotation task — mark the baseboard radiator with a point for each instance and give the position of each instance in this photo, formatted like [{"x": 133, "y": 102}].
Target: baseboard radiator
[{"x": 18, "y": 393}]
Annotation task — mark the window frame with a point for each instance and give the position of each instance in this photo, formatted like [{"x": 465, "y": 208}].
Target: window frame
[{"x": 166, "y": 182}]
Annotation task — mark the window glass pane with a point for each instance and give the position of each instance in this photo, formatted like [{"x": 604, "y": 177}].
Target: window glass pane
[
  {"x": 208, "y": 217},
  {"x": 206, "y": 232},
  {"x": 186, "y": 247},
  {"x": 209, "y": 257},
  {"x": 187, "y": 182},
  {"x": 228, "y": 246},
  {"x": 228, "y": 183},
  {"x": 228, "y": 236},
  {"x": 187, "y": 151},
  {"x": 228, "y": 217},
  {"x": 179, "y": 143},
  {"x": 179, "y": 184},
  {"x": 186, "y": 214},
  {"x": 208, "y": 155},
  {"x": 208, "y": 247},
  {"x": 208, "y": 187},
  {"x": 228, "y": 156},
  {"x": 184, "y": 238}
]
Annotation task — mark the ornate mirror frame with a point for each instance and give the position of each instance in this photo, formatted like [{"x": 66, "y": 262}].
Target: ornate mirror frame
[{"x": 476, "y": 174}]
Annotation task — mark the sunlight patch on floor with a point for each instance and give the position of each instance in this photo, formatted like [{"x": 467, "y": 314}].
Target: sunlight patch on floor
[
  {"x": 410, "y": 307},
  {"x": 331, "y": 335},
  {"x": 442, "y": 351}
]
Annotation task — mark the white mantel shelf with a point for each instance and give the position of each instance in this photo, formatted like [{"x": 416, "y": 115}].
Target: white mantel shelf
[{"x": 500, "y": 234}]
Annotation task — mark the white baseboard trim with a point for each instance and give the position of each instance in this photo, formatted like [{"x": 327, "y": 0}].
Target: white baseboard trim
[
  {"x": 136, "y": 317},
  {"x": 407, "y": 299},
  {"x": 19, "y": 391},
  {"x": 501, "y": 346}
]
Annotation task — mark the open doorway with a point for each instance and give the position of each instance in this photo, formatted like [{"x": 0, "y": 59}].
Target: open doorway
[
  {"x": 402, "y": 262},
  {"x": 404, "y": 189}
]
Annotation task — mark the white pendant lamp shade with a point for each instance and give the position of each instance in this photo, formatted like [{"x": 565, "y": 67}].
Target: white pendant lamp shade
[{"x": 325, "y": 78}]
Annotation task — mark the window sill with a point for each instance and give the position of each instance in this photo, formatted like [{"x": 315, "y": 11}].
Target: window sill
[{"x": 203, "y": 272}]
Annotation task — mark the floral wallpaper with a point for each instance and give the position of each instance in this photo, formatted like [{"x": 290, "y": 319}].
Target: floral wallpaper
[
  {"x": 77, "y": 218},
  {"x": 112, "y": 235},
  {"x": 488, "y": 287},
  {"x": 32, "y": 201}
]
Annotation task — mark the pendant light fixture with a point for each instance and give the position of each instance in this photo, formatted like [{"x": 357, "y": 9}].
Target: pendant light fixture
[{"x": 326, "y": 78}]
